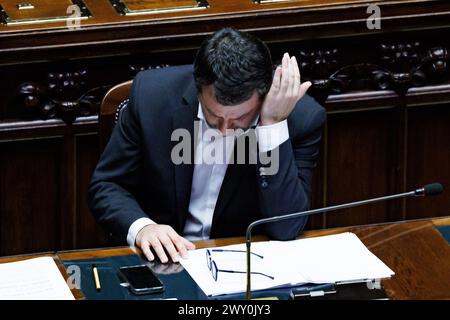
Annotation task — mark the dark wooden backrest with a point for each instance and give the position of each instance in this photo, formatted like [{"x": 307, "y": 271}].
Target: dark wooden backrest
[{"x": 114, "y": 99}]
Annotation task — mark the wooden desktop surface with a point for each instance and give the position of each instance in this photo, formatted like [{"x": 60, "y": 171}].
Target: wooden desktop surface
[{"x": 415, "y": 250}]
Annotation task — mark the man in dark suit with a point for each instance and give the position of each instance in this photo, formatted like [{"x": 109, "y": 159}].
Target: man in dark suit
[{"x": 157, "y": 195}]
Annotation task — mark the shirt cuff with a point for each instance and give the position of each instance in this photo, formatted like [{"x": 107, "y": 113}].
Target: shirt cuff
[
  {"x": 135, "y": 228},
  {"x": 272, "y": 136}
]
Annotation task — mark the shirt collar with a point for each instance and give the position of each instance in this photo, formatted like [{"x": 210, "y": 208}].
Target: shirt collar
[{"x": 200, "y": 114}]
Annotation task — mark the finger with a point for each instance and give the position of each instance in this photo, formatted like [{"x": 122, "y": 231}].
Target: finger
[
  {"x": 179, "y": 245},
  {"x": 186, "y": 243},
  {"x": 285, "y": 60},
  {"x": 147, "y": 252},
  {"x": 276, "y": 82},
  {"x": 189, "y": 245},
  {"x": 168, "y": 245},
  {"x": 291, "y": 89},
  {"x": 285, "y": 74},
  {"x": 296, "y": 77},
  {"x": 304, "y": 87},
  {"x": 156, "y": 245}
]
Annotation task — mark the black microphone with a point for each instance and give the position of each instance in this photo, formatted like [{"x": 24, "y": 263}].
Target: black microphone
[{"x": 428, "y": 190}]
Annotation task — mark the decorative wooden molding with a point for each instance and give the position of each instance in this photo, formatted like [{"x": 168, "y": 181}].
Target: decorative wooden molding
[
  {"x": 317, "y": 66},
  {"x": 400, "y": 67},
  {"x": 108, "y": 33},
  {"x": 64, "y": 95}
]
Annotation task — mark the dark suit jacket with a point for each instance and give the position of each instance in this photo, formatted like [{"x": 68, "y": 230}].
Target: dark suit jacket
[{"x": 136, "y": 178}]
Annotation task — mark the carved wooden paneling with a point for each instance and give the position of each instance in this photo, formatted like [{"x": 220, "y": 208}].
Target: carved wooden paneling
[
  {"x": 399, "y": 67},
  {"x": 63, "y": 95},
  {"x": 319, "y": 185},
  {"x": 429, "y": 158},
  {"x": 359, "y": 161},
  {"x": 65, "y": 91},
  {"x": 88, "y": 231},
  {"x": 30, "y": 196}
]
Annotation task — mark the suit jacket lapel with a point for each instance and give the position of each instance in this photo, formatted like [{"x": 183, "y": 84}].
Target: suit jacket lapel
[{"x": 183, "y": 118}]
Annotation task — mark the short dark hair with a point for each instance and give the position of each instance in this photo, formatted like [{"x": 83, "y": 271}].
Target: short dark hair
[{"x": 236, "y": 64}]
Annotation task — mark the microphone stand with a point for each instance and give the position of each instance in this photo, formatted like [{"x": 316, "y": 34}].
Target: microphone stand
[{"x": 431, "y": 189}]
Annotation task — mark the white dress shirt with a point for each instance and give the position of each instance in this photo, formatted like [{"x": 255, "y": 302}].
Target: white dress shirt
[{"x": 208, "y": 176}]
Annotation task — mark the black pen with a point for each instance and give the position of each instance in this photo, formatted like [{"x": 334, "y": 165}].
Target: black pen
[
  {"x": 96, "y": 278},
  {"x": 313, "y": 290}
]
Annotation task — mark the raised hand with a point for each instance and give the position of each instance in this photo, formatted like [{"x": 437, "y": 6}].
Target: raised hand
[{"x": 285, "y": 92}]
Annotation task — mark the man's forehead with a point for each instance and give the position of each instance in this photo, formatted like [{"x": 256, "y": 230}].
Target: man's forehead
[{"x": 211, "y": 104}]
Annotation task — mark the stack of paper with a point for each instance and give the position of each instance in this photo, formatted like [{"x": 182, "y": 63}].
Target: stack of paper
[
  {"x": 33, "y": 279},
  {"x": 335, "y": 258}
]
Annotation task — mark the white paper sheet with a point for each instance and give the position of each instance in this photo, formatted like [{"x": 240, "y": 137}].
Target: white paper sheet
[
  {"x": 335, "y": 258},
  {"x": 33, "y": 279}
]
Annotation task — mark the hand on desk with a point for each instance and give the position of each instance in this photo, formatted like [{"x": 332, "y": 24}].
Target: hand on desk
[{"x": 164, "y": 240}]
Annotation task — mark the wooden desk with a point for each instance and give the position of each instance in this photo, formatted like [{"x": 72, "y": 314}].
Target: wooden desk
[{"x": 415, "y": 250}]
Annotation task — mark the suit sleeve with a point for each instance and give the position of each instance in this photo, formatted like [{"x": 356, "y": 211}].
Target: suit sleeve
[
  {"x": 285, "y": 180},
  {"x": 116, "y": 177}
]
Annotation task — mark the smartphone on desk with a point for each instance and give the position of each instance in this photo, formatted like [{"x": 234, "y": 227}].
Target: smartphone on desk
[{"x": 141, "y": 279}]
